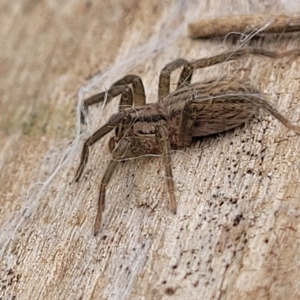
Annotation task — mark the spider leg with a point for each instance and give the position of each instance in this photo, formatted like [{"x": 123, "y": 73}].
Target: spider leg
[
  {"x": 101, "y": 202},
  {"x": 189, "y": 67},
  {"x": 263, "y": 103},
  {"x": 164, "y": 77},
  {"x": 120, "y": 87},
  {"x": 139, "y": 96},
  {"x": 112, "y": 123},
  {"x": 187, "y": 72},
  {"x": 161, "y": 133},
  {"x": 118, "y": 155},
  {"x": 126, "y": 98},
  {"x": 186, "y": 125}
]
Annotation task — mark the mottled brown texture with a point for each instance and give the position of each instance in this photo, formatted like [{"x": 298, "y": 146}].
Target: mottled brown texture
[{"x": 236, "y": 231}]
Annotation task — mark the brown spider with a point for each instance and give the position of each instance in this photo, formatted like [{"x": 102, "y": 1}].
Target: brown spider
[{"x": 192, "y": 110}]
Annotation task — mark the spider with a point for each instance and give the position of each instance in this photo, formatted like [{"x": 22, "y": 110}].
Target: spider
[{"x": 193, "y": 110}]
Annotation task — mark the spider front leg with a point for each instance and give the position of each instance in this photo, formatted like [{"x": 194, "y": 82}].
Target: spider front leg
[
  {"x": 120, "y": 151},
  {"x": 139, "y": 97},
  {"x": 127, "y": 99},
  {"x": 120, "y": 87},
  {"x": 112, "y": 123}
]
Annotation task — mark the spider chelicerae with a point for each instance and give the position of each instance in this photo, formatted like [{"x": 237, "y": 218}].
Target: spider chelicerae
[{"x": 193, "y": 110}]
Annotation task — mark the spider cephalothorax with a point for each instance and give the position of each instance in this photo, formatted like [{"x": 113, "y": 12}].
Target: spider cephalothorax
[{"x": 191, "y": 111}]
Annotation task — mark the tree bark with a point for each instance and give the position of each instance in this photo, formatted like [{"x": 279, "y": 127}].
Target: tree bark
[{"x": 235, "y": 234}]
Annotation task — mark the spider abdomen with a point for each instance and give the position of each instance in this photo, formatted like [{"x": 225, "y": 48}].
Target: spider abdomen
[
  {"x": 211, "y": 107},
  {"x": 218, "y": 116}
]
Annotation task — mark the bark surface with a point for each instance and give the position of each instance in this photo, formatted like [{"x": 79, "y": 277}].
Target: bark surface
[{"x": 236, "y": 231}]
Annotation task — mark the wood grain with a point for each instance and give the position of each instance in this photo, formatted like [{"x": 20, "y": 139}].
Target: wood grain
[
  {"x": 236, "y": 232},
  {"x": 245, "y": 24}
]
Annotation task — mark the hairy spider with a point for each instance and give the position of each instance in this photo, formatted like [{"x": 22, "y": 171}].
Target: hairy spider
[{"x": 192, "y": 110}]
